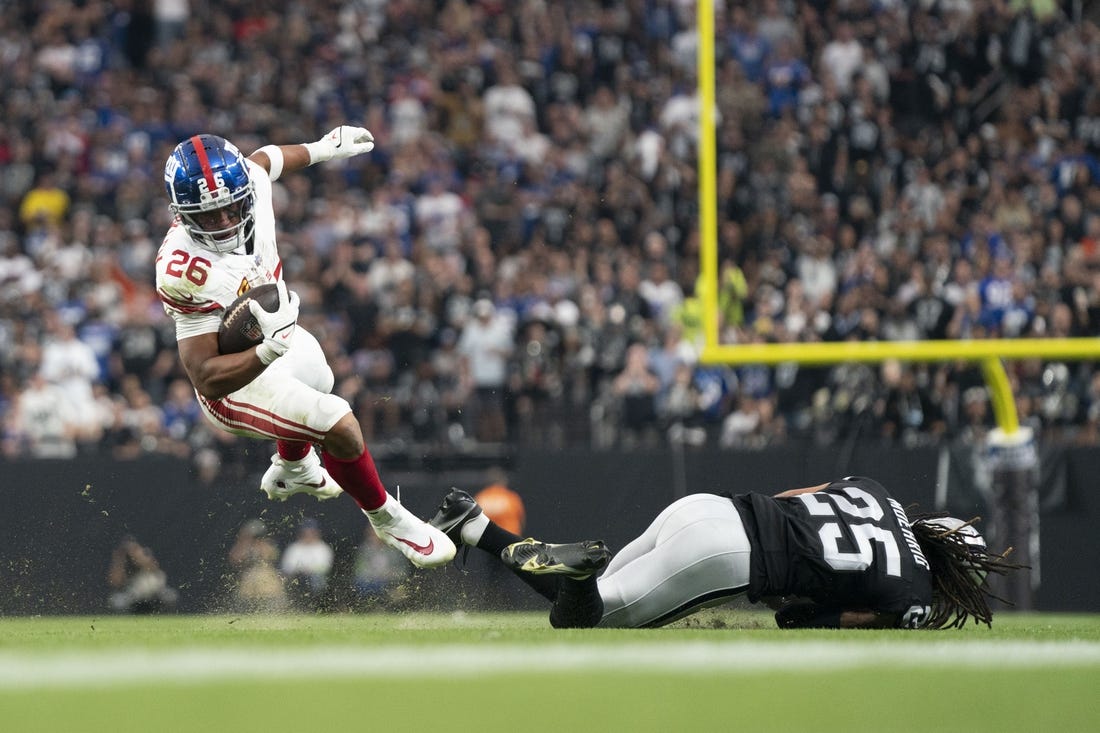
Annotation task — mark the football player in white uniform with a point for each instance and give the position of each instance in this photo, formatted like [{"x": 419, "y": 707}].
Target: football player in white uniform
[{"x": 221, "y": 244}]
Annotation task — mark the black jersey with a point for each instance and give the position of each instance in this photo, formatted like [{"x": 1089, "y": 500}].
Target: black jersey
[{"x": 848, "y": 546}]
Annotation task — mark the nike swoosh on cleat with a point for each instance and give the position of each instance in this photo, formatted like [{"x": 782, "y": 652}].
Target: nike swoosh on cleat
[{"x": 422, "y": 549}]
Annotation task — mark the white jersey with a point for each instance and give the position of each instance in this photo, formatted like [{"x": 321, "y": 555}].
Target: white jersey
[{"x": 195, "y": 284}]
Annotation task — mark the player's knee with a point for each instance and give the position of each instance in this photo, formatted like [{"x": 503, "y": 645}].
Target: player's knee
[{"x": 345, "y": 439}]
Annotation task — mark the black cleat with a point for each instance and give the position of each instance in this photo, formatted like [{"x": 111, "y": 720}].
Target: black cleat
[
  {"x": 575, "y": 560},
  {"x": 457, "y": 508}
]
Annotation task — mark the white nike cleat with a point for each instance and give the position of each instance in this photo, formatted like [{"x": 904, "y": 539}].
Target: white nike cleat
[
  {"x": 307, "y": 476},
  {"x": 424, "y": 545}
]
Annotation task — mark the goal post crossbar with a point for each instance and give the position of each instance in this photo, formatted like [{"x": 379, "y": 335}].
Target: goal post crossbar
[{"x": 836, "y": 352}]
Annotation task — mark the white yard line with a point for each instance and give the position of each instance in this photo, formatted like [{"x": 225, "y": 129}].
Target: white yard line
[{"x": 117, "y": 667}]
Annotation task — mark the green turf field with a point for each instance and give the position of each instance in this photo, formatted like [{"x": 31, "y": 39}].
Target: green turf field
[{"x": 722, "y": 671}]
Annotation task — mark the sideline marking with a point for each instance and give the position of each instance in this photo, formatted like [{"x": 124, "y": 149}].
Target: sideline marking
[{"x": 122, "y": 667}]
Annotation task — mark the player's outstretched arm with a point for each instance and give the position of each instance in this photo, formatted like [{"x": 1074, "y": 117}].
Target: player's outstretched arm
[{"x": 345, "y": 141}]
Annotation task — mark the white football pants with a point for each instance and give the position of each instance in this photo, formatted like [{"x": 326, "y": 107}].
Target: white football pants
[
  {"x": 694, "y": 554},
  {"x": 290, "y": 399}
]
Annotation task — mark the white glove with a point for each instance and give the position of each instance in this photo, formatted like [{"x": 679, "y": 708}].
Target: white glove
[
  {"x": 278, "y": 326},
  {"x": 343, "y": 142}
]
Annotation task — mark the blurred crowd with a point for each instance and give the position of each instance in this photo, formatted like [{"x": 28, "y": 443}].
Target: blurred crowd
[
  {"x": 517, "y": 261},
  {"x": 302, "y": 575},
  {"x": 303, "y": 563},
  {"x": 262, "y": 574}
]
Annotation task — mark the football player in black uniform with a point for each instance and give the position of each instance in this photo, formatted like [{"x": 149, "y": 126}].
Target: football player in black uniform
[{"x": 842, "y": 554}]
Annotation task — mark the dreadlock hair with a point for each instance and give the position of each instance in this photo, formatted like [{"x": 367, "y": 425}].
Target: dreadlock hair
[{"x": 959, "y": 572}]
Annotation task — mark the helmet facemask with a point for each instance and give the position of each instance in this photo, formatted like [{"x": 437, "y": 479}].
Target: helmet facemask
[
  {"x": 221, "y": 228},
  {"x": 210, "y": 190}
]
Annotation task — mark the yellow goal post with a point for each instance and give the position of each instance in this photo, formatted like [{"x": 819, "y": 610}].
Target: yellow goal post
[{"x": 989, "y": 353}]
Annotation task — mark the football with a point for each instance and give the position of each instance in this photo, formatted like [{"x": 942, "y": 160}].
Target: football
[{"x": 239, "y": 330}]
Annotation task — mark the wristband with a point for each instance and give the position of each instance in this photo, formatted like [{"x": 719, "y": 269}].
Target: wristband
[
  {"x": 319, "y": 151},
  {"x": 274, "y": 154}
]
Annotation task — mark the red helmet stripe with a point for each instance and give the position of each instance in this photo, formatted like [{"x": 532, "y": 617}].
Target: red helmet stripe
[{"x": 204, "y": 162}]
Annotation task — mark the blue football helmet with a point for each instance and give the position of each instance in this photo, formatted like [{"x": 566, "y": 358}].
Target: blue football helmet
[{"x": 210, "y": 191}]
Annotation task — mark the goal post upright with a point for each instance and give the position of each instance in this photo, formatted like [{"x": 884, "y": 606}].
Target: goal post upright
[{"x": 708, "y": 171}]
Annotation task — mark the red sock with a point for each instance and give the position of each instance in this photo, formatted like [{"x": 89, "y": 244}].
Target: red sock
[
  {"x": 358, "y": 478},
  {"x": 293, "y": 450}
]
